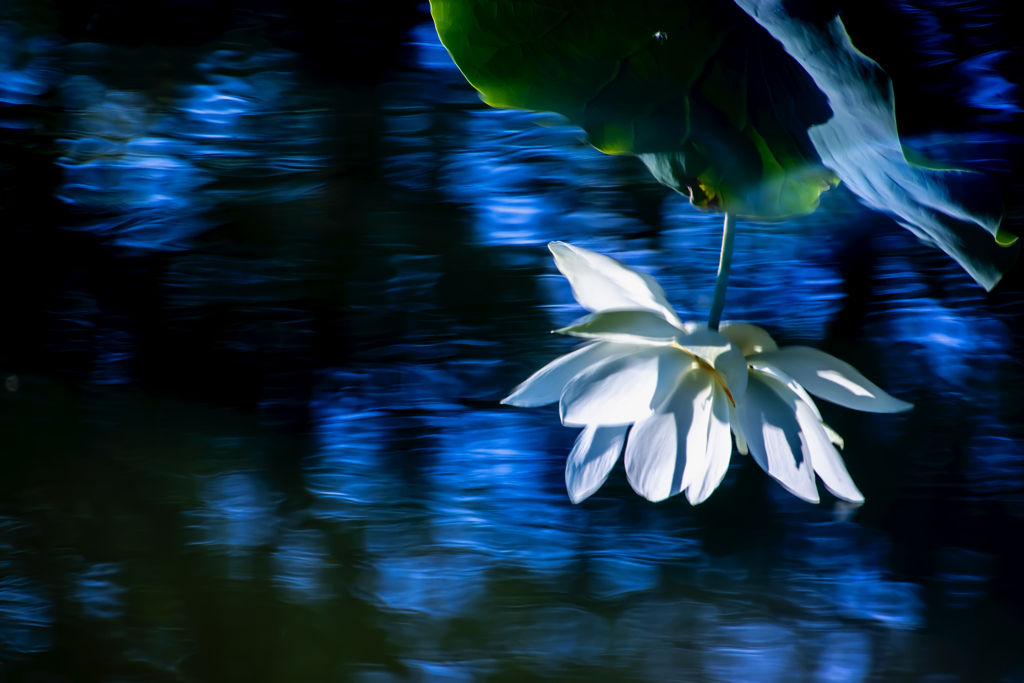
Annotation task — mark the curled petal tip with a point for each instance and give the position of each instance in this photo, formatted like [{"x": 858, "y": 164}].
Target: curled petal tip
[
  {"x": 896, "y": 405},
  {"x": 1004, "y": 238}
]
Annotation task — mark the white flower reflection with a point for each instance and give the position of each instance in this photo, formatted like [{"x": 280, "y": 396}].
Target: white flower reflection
[{"x": 682, "y": 387}]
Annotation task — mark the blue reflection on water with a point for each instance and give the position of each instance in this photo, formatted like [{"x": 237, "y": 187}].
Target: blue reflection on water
[
  {"x": 442, "y": 672},
  {"x": 480, "y": 476},
  {"x": 615, "y": 576},
  {"x": 26, "y": 615},
  {"x": 845, "y": 658},
  {"x": 963, "y": 576},
  {"x": 965, "y": 35},
  {"x": 989, "y": 89},
  {"x": 146, "y": 173},
  {"x": 753, "y": 651},
  {"x": 28, "y": 68},
  {"x": 529, "y": 179},
  {"x": 547, "y": 639},
  {"x": 99, "y": 593},
  {"x": 117, "y": 165},
  {"x": 438, "y": 584},
  {"x": 301, "y": 566},
  {"x": 953, "y": 344},
  {"x": 868, "y": 595},
  {"x": 466, "y": 495},
  {"x": 430, "y": 53},
  {"x": 947, "y": 345},
  {"x": 838, "y": 568},
  {"x": 247, "y": 121},
  {"x": 454, "y": 506},
  {"x": 995, "y": 464},
  {"x": 490, "y": 491},
  {"x": 238, "y": 516}
]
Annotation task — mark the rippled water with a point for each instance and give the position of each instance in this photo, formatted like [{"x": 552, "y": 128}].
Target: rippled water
[{"x": 258, "y": 317}]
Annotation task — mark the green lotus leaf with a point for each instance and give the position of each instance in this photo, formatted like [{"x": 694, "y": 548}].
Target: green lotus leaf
[{"x": 712, "y": 105}]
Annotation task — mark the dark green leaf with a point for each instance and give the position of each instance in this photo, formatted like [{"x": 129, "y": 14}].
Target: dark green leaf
[{"x": 713, "y": 106}]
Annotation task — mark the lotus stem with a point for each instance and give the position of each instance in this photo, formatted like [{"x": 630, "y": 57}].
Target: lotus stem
[{"x": 724, "y": 263}]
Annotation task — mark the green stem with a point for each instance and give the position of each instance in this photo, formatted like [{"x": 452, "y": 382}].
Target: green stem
[{"x": 724, "y": 262}]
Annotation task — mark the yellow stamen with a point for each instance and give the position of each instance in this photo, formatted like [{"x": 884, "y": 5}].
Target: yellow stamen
[{"x": 703, "y": 364}]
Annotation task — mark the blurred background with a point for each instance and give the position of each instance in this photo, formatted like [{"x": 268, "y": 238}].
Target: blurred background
[{"x": 268, "y": 267}]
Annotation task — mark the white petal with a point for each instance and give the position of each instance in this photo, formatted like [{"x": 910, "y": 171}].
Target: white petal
[
  {"x": 705, "y": 344},
  {"x": 664, "y": 450},
  {"x": 831, "y": 379},
  {"x": 627, "y": 327},
  {"x": 600, "y": 283},
  {"x": 717, "y": 452},
  {"x": 749, "y": 339},
  {"x": 794, "y": 386},
  {"x": 818, "y": 439},
  {"x": 737, "y": 430},
  {"x": 824, "y": 457},
  {"x": 622, "y": 390},
  {"x": 722, "y": 355},
  {"x": 773, "y": 435},
  {"x": 547, "y": 384},
  {"x": 592, "y": 458}
]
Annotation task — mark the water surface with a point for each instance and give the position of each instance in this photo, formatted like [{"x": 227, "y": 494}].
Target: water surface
[{"x": 260, "y": 312}]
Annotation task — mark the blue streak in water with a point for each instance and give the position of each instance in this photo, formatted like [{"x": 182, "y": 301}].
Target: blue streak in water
[
  {"x": 98, "y": 592},
  {"x": 237, "y": 517},
  {"x": 143, "y": 173},
  {"x": 753, "y": 651},
  {"x": 988, "y": 88},
  {"x": 26, "y": 616},
  {"x": 301, "y": 564},
  {"x": 845, "y": 658},
  {"x": 28, "y": 68}
]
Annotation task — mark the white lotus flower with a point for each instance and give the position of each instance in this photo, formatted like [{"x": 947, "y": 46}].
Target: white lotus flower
[{"x": 681, "y": 387}]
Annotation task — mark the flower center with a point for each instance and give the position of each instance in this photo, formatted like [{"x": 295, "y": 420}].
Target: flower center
[{"x": 699, "y": 362}]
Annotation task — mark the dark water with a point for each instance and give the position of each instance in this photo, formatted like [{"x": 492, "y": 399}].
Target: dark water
[{"x": 268, "y": 270}]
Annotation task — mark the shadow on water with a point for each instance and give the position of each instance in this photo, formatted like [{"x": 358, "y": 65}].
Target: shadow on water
[{"x": 260, "y": 311}]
